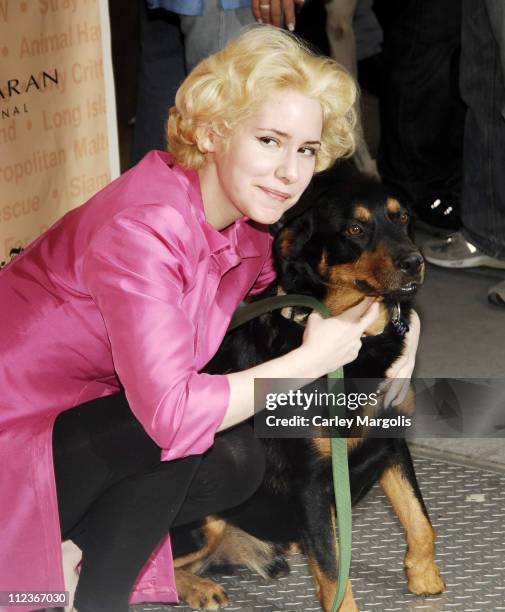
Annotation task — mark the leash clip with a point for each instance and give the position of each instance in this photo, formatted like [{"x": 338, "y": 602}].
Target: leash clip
[
  {"x": 288, "y": 312},
  {"x": 399, "y": 323}
]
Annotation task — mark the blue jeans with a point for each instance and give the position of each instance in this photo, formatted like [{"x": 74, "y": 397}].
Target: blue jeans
[
  {"x": 208, "y": 33},
  {"x": 171, "y": 45},
  {"x": 482, "y": 88}
]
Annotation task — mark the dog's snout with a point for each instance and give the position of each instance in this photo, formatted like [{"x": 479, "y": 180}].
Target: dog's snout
[{"x": 410, "y": 264}]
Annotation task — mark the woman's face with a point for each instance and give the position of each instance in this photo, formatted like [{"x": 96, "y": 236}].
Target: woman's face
[{"x": 269, "y": 160}]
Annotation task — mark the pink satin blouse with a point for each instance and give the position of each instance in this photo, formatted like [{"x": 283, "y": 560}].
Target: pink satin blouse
[{"x": 132, "y": 287}]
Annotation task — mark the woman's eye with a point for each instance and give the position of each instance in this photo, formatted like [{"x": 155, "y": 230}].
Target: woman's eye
[
  {"x": 403, "y": 218},
  {"x": 308, "y": 151},
  {"x": 269, "y": 141},
  {"x": 354, "y": 230}
]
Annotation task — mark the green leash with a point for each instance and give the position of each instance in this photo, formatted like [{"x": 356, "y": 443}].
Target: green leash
[{"x": 338, "y": 445}]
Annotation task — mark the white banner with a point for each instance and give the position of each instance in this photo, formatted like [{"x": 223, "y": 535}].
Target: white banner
[{"x": 58, "y": 136}]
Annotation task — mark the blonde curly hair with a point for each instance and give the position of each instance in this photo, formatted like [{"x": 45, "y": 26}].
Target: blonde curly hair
[{"x": 231, "y": 85}]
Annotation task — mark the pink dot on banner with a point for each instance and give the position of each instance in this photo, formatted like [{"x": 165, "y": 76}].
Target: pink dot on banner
[
  {"x": 28, "y": 125},
  {"x": 55, "y": 193},
  {"x": 5, "y": 51},
  {"x": 24, "y": 7}
]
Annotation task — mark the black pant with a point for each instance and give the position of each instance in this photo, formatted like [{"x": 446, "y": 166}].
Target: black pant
[
  {"x": 162, "y": 69},
  {"x": 422, "y": 115},
  {"x": 117, "y": 499}
]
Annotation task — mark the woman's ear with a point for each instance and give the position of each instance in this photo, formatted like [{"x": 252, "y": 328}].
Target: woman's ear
[{"x": 206, "y": 138}]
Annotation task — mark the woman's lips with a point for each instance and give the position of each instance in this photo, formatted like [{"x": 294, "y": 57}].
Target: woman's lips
[{"x": 276, "y": 195}]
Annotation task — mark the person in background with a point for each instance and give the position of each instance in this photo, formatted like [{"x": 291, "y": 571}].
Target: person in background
[
  {"x": 175, "y": 35},
  {"x": 481, "y": 240},
  {"x": 421, "y": 112}
]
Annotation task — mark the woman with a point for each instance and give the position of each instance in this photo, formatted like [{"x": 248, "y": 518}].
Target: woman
[{"x": 135, "y": 289}]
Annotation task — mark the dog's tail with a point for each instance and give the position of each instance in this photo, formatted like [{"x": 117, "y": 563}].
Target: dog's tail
[{"x": 239, "y": 548}]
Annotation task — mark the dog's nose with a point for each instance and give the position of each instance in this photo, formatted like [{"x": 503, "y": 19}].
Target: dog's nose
[{"x": 410, "y": 264}]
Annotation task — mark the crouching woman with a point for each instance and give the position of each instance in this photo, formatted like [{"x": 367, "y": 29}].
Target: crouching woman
[{"x": 134, "y": 290}]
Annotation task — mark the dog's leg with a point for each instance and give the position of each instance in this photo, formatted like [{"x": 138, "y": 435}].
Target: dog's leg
[
  {"x": 320, "y": 546},
  {"x": 400, "y": 485},
  {"x": 199, "y": 593},
  {"x": 326, "y": 588},
  {"x": 195, "y": 591},
  {"x": 212, "y": 531}
]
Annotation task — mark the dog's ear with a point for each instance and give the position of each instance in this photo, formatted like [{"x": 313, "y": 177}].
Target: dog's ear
[
  {"x": 296, "y": 254},
  {"x": 293, "y": 236}
]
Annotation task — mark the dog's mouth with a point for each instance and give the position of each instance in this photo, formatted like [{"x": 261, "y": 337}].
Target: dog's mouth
[{"x": 404, "y": 291}]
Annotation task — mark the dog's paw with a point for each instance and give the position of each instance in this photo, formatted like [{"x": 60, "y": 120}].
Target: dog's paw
[
  {"x": 277, "y": 567},
  {"x": 425, "y": 581},
  {"x": 201, "y": 593}
]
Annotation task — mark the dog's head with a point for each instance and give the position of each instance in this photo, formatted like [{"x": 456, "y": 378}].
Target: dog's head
[{"x": 346, "y": 240}]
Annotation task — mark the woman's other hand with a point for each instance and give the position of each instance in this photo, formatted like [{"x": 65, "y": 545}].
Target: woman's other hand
[{"x": 398, "y": 376}]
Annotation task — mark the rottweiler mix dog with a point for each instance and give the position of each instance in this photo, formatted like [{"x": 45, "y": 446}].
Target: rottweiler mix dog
[{"x": 347, "y": 238}]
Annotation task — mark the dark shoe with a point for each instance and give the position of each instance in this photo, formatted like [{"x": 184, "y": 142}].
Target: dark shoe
[{"x": 438, "y": 213}]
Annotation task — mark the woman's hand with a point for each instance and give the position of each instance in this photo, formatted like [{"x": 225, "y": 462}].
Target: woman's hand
[
  {"x": 327, "y": 345},
  {"x": 398, "y": 376},
  {"x": 331, "y": 343}
]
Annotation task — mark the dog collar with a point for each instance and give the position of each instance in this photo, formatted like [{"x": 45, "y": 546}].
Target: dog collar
[{"x": 399, "y": 323}]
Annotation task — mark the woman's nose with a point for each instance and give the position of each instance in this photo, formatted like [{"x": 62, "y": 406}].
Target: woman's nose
[{"x": 287, "y": 170}]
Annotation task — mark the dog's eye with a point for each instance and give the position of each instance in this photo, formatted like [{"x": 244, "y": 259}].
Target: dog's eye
[
  {"x": 354, "y": 230},
  {"x": 403, "y": 218}
]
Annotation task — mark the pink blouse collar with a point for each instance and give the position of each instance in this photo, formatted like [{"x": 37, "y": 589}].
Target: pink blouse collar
[{"x": 236, "y": 239}]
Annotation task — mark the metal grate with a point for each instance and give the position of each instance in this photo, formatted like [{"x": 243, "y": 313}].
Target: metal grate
[{"x": 467, "y": 508}]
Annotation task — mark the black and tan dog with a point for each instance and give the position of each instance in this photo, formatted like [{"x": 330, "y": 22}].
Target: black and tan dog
[{"x": 344, "y": 240}]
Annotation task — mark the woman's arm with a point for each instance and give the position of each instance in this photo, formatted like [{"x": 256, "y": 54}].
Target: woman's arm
[
  {"x": 135, "y": 271},
  {"x": 328, "y": 344}
]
